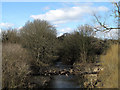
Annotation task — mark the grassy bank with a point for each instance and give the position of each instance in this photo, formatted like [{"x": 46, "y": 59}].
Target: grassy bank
[{"x": 109, "y": 75}]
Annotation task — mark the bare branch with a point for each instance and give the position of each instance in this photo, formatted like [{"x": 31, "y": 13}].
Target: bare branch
[{"x": 103, "y": 25}]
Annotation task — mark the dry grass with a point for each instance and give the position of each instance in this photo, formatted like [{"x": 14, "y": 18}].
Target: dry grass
[
  {"x": 109, "y": 76},
  {"x": 15, "y": 65}
]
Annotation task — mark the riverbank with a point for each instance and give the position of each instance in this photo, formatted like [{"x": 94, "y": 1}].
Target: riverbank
[
  {"x": 63, "y": 77},
  {"x": 79, "y": 76},
  {"x": 90, "y": 73}
]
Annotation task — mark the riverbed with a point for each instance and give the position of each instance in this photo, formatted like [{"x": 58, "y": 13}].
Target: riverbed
[{"x": 64, "y": 81}]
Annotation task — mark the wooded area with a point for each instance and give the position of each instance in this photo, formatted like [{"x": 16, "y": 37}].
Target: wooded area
[{"x": 36, "y": 47}]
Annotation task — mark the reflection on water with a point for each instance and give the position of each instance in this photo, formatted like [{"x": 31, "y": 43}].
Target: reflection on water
[
  {"x": 63, "y": 66},
  {"x": 63, "y": 81}
]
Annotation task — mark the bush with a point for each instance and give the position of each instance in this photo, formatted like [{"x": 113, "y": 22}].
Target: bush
[
  {"x": 15, "y": 66},
  {"x": 76, "y": 45},
  {"x": 39, "y": 37},
  {"x": 10, "y": 36},
  {"x": 109, "y": 75},
  {"x": 81, "y": 46}
]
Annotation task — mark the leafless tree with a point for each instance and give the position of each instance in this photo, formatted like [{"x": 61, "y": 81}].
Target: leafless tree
[{"x": 115, "y": 14}]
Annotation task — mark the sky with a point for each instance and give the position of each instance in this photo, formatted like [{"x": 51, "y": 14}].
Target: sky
[{"x": 65, "y": 16}]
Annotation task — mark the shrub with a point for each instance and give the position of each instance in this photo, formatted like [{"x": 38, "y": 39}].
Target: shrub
[
  {"x": 15, "y": 66},
  {"x": 109, "y": 75},
  {"x": 10, "y": 36},
  {"x": 81, "y": 46},
  {"x": 76, "y": 46},
  {"x": 39, "y": 37}
]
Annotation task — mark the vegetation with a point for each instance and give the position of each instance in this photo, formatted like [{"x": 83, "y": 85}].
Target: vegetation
[
  {"x": 109, "y": 74},
  {"x": 81, "y": 46},
  {"x": 36, "y": 47},
  {"x": 15, "y": 66},
  {"x": 39, "y": 37},
  {"x": 27, "y": 51},
  {"x": 115, "y": 13},
  {"x": 10, "y": 36}
]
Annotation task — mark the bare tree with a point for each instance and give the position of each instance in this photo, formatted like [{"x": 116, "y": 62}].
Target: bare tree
[
  {"x": 115, "y": 14},
  {"x": 39, "y": 37}
]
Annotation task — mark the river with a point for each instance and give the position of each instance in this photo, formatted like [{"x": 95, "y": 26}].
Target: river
[{"x": 63, "y": 81}]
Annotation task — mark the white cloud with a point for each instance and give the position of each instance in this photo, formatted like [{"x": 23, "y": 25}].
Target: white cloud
[
  {"x": 70, "y": 14},
  {"x": 102, "y": 8},
  {"x": 6, "y": 25},
  {"x": 56, "y": 25},
  {"x": 113, "y": 34},
  {"x": 46, "y": 8},
  {"x": 19, "y": 27},
  {"x": 64, "y": 30}
]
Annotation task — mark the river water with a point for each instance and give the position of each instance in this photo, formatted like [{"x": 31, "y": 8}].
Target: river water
[{"x": 63, "y": 81}]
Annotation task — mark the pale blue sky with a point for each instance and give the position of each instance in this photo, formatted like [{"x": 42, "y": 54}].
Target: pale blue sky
[{"x": 65, "y": 16}]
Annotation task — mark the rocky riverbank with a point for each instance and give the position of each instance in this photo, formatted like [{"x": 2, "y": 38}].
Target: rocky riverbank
[{"x": 90, "y": 74}]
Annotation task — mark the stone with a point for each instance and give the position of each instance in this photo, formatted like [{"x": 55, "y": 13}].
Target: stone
[
  {"x": 71, "y": 70},
  {"x": 66, "y": 75}
]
